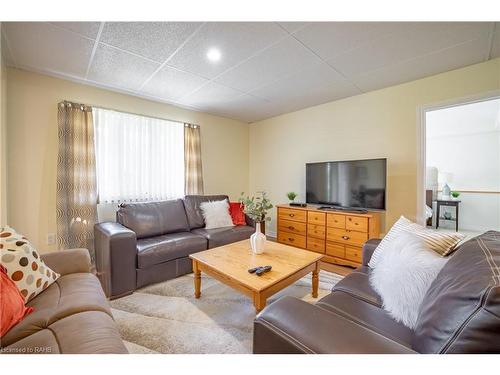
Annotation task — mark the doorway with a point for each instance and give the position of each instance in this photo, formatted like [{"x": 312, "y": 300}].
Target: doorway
[{"x": 459, "y": 170}]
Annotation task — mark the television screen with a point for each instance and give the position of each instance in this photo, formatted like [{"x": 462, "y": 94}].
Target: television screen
[{"x": 347, "y": 184}]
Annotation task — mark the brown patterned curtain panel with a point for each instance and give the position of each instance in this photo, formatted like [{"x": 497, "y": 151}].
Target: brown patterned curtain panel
[
  {"x": 76, "y": 177},
  {"x": 193, "y": 179}
]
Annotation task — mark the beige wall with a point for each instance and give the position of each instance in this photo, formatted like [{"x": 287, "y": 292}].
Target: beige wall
[
  {"x": 32, "y": 152},
  {"x": 381, "y": 123},
  {"x": 3, "y": 140},
  {"x": 268, "y": 155}
]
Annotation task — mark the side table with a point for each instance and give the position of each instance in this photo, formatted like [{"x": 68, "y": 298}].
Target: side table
[{"x": 449, "y": 203}]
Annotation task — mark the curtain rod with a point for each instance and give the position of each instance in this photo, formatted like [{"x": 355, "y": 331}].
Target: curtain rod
[{"x": 132, "y": 113}]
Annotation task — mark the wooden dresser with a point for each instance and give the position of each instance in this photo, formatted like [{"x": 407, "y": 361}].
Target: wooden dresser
[{"x": 337, "y": 234}]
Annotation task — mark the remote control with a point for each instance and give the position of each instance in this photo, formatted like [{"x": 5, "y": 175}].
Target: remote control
[
  {"x": 262, "y": 270},
  {"x": 253, "y": 270}
]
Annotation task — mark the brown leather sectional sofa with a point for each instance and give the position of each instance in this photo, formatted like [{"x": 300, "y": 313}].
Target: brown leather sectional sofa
[
  {"x": 460, "y": 313},
  {"x": 71, "y": 316},
  {"x": 151, "y": 242}
]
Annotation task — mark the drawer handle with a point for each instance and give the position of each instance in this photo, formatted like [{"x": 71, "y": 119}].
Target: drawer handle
[
  {"x": 292, "y": 215},
  {"x": 345, "y": 237},
  {"x": 291, "y": 227},
  {"x": 291, "y": 239},
  {"x": 356, "y": 224},
  {"x": 350, "y": 219}
]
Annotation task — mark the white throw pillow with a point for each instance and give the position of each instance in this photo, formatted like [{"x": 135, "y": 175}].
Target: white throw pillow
[
  {"x": 404, "y": 273},
  {"x": 443, "y": 243},
  {"x": 216, "y": 214},
  {"x": 23, "y": 264}
]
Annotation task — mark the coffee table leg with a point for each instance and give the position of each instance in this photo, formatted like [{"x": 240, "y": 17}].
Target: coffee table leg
[
  {"x": 197, "y": 280},
  {"x": 259, "y": 301},
  {"x": 315, "y": 281}
]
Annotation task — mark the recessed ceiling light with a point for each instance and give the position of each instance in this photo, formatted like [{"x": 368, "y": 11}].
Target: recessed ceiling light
[{"x": 213, "y": 54}]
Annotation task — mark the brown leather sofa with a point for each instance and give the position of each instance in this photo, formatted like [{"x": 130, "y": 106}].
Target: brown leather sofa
[
  {"x": 151, "y": 242},
  {"x": 460, "y": 312},
  {"x": 71, "y": 316}
]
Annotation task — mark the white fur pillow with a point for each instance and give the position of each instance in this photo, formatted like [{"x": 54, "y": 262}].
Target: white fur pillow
[
  {"x": 216, "y": 214},
  {"x": 405, "y": 271}
]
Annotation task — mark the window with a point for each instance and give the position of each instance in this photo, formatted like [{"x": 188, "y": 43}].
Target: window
[{"x": 138, "y": 158}]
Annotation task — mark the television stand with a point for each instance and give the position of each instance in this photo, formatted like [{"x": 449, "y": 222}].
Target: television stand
[
  {"x": 344, "y": 209},
  {"x": 337, "y": 234}
]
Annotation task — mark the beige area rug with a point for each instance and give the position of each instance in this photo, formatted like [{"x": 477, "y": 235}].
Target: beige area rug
[{"x": 166, "y": 318}]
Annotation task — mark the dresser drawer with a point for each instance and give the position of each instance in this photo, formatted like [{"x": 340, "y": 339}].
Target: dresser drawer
[
  {"x": 357, "y": 223},
  {"x": 290, "y": 214},
  {"x": 335, "y": 221},
  {"x": 317, "y": 218},
  {"x": 316, "y": 231},
  {"x": 335, "y": 250},
  {"x": 292, "y": 239},
  {"x": 316, "y": 245},
  {"x": 292, "y": 227},
  {"x": 353, "y": 253},
  {"x": 346, "y": 236}
]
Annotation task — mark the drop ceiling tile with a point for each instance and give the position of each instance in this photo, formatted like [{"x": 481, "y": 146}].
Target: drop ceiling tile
[
  {"x": 43, "y": 46},
  {"x": 274, "y": 63},
  {"x": 495, "y": 47},
  {"x": 420, "y": 39},
  {"x": 235, "y": 40},
  {"x": 292, "y": 27},
  {"x": 329, "y": 39},
  {"x": 312, "y": 81},
  {"x": 244, "y": 108},
  {"x": 154, "y": 40},
  {"x": 88, "y": 29},
  {"x": 309, "y": 87},
  {"x": 455, "y": 57},
  {"x": 171, "y": 84},
  {"x": 209, "y": 96},
  {"x": 117, "y": 68}
]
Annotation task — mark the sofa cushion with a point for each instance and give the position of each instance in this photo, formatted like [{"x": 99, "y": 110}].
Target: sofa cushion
[
  {"x": 153, "y": 218},
  {"x": 461, "y": 311},
  {"x": 193, "y": 210},
  {"x": 368, "y": 315},
  {"x": 87, "y": 332},
  {"x": 223, "y": 236},
  {"x": 70, "y": 294},
  {"x": 159, "y": 249},
  {"x": 357, "y": 284}
]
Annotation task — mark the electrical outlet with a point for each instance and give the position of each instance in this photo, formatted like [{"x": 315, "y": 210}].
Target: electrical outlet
[{"x": 51, "y": 239}]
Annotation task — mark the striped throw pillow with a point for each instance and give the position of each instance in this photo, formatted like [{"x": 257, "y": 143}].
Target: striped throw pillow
[{"x": 442, "y": 243}]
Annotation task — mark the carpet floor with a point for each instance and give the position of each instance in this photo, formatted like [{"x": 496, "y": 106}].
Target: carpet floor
[{"x": 166, "y": 318}]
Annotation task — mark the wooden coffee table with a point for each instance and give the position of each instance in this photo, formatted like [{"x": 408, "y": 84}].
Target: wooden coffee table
[{"x": 230, "y": 263}]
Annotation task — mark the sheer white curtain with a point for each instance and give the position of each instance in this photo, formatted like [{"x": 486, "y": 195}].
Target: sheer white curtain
[{"x": 138, "y": 158}]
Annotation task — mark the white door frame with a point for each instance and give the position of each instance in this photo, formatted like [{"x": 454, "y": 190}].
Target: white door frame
[{"x": 421, "y": 140}]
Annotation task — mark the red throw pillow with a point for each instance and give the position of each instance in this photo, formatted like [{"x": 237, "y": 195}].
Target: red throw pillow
[
  {"x": 237, "y": 214},
  {"x": 12, "y": 309}
]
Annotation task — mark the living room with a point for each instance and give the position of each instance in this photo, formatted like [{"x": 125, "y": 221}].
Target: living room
[{"x": 252, "y": 186}]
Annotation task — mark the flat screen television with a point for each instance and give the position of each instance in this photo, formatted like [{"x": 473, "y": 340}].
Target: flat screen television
[{"x": 354, "y": 184}]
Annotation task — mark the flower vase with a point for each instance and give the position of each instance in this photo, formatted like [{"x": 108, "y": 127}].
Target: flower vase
[{"x": 258, "y": 240}]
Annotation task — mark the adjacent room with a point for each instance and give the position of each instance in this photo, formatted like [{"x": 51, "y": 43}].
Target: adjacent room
[
  {"x": 237, "y": 187},
  {"x": 463, "y": 166}
]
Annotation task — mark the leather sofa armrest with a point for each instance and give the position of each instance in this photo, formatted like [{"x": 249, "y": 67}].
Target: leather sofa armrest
[
  {"x": 292, "y": 326},
  {"x": 116, "y": 258},
  {"x": 68, "y": 261},
  {"x": 368, "y": 249},
  {"x": 250, "y": 222}
]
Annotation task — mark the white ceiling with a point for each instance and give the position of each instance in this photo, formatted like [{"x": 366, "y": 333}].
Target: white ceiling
[{"x": 266, "y": 68}]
